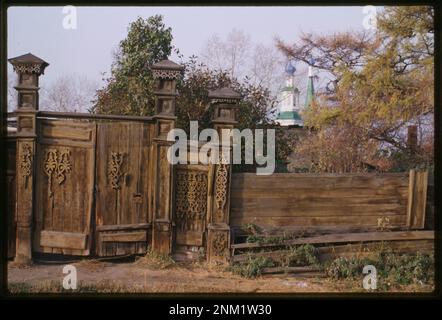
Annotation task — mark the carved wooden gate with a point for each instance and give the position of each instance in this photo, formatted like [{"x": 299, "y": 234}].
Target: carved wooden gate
[
  {"x": 64, "y": 186},
  {"x": 90, "y": 184},
  {"x": 122, "y": 188},
  {"x": 192, "y": 202},
  {"x": 79, "y": 164}
]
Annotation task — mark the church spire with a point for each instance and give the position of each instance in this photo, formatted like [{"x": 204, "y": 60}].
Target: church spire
[{"x": 310, "y": 94}]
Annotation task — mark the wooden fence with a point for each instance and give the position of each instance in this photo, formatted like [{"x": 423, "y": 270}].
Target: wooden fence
[
  {"x": 329, "y": 202},
  {"x": 102, "y": 185}
]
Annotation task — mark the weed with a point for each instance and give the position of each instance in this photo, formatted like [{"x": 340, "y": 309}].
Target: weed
[
  {"x": 268, "y": 239},
  {"x": 252, "y": 267},
  {"x": 392, "y": 269},
  {"x": 345, "y": 268},
  {"x": 302, "y": 255}
]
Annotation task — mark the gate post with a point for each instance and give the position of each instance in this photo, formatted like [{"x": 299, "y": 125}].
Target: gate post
[
  {"x": 29, "y": 68},
  {"x": 165, "y": 74},
  {"x": 225, "y": 101}
]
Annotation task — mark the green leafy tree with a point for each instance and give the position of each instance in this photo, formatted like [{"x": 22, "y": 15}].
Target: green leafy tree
[{"x": 129, "y": 89}]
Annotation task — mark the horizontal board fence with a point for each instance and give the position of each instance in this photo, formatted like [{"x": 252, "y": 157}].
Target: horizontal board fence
[{"x": 321, "y": 201}]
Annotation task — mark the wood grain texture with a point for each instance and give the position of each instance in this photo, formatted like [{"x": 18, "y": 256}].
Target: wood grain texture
[
  {"x": 135, "y": 236},
  {"x": 64, "y": 198},
  {"x": 319, "y": 201},
  {"x": 329, "y": 252},
  {"x": 67, "y": 240},
  {"x": 11, "y": 191},
  {"x": 417, "y": 199},
  {"x": 346, "y": 238},
  {"x": 122, "y": 188}
]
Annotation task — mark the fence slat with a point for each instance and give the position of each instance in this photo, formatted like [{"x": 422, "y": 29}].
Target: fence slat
[{"x": 417, "y": 199}]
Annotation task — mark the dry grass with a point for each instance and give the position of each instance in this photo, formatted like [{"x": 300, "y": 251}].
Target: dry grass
[
  {"x": 155, "y": 260},
  {"x": 154, "y": 273}
]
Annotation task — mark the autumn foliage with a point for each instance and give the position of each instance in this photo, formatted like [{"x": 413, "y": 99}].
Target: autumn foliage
[{"x": 380, "y": 84}]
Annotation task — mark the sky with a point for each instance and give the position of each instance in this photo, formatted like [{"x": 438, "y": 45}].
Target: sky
[{"x": 87, "y": 50}]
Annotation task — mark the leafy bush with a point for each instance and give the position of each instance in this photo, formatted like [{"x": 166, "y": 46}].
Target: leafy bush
[
  {"x": 252, "y": 267},
  {"x": 391, "y": 268},
  {"x": 345, "y": 268},
  {"x": 253, "y": 238},
  {"x": 408, "y": 269},
  {"x": 303, "y": 255}
]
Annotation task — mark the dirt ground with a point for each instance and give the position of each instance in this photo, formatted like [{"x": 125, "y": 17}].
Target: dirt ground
[{"x": 133, "y": 277}]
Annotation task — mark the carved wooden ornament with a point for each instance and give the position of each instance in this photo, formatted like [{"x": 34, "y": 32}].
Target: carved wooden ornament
[
  {"x": 221, "y": 183},
  {"x": 219, "y": 244},
  {"x": 58, "y": 163},
  {"x": 26, "y": 162},
  {"x": 191, "y": 198},
  {"x": 114, "y": 172}
]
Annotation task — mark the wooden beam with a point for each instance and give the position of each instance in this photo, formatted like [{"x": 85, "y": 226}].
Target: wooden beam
[
  {"x": 345, "y": 237},
  {"x": 68, "y": 240},
  {"x": 417, "y": 199},
  {"x": 115, "y": 227},
  {"x": 299, "y": 271},
  {"x": 137, "y": 236},
  {"x": 91, "y": 116},
  {"x": 347, "y": 250}
]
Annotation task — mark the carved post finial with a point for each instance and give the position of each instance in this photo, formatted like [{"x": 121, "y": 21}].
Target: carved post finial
[
  {"x": 165, "y": 73},
  {"x": 29, "y": 64},
  {"x": 225, "y": 101},
  {"x": 28, "y": 68}
]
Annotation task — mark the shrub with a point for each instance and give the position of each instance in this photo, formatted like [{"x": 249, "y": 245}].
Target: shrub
[
  {"x": 252, "y": 267},
  {"x": 391, "y": 268},
  {"x": 303, "y": 255}
]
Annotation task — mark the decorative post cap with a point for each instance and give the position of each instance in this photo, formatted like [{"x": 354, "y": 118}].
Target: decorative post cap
[
  {"x": 28, "y": 63},
  {"x": 224, "y": 95},
  {"x": 166, "y": 69}
]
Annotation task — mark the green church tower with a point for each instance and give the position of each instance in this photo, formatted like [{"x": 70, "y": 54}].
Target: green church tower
[{"x": 310, "y": 94}]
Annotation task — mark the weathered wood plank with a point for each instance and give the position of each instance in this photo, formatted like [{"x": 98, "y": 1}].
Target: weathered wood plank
[
  {"x": 417, "y": 199},
  {"x": 319, "y": 200},
  {"x": 346, "y": 238},
  {"x": 68, "y": 240},
  {"x": 136, "y": 236},
  {"x": 122, "y": 203},
  {"x": 300, "y": 271},
  {"x": 116, "y": 227},
  {"x": 315, "y": 222},
  {"x": 64, "y": 197},
  {"x": 318, "y": 181},
  {"x": 271, "y": 209},
  {"x": 91, "y": 116},
  {"x": 350, "y": 250}
]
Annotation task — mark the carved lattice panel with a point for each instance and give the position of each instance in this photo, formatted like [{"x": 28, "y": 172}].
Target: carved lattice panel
[{"x": 190, "y": 206}]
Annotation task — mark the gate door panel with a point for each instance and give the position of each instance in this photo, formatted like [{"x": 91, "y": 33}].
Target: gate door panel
[
  {"x": 191, "y": 203},
  {"x": 122, "y": 188},
  {"x": 64, "y": 187}
]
